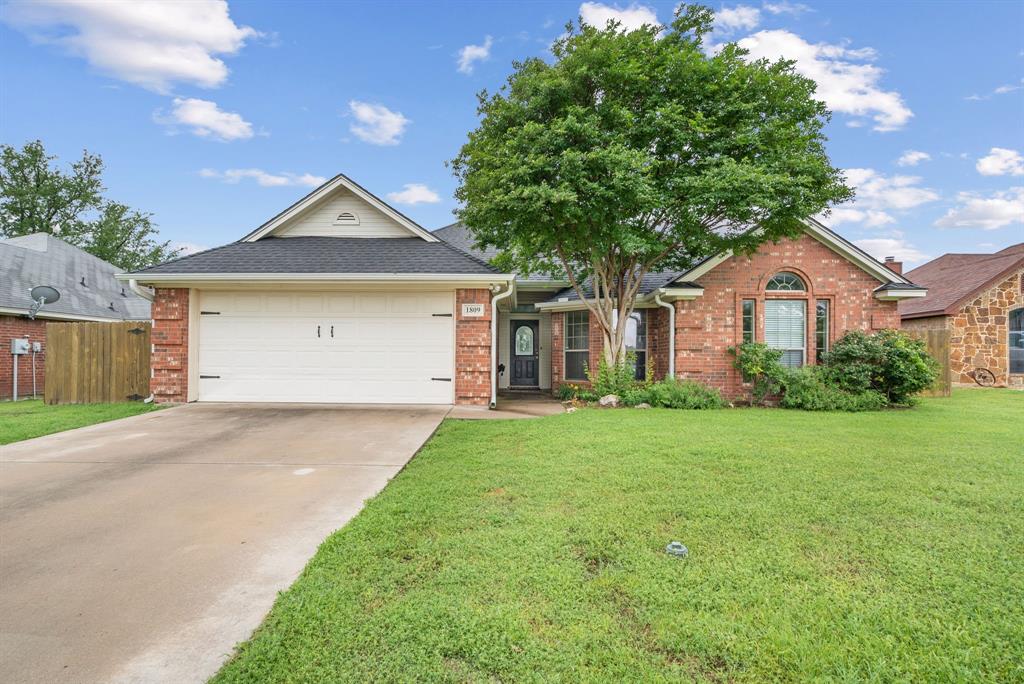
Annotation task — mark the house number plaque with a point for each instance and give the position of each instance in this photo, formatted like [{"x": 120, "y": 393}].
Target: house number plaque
[{"x": 472, "y": 310}]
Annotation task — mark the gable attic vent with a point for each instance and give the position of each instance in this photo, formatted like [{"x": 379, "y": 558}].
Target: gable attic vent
[{"x": 347, "y": 218}]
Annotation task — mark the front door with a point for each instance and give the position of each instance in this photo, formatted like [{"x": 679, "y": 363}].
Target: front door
[{"x": 525, "y": 354}]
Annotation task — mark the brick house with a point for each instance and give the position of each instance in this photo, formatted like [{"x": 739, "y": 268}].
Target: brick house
[
  {"x": 341, "y": 298},
  {"x": 88, "y": 292},
  {"x": 979, "y": 298}
]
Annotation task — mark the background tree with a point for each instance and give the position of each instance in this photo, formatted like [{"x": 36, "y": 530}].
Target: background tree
[
  {"x": 38, "y": 197},
  {"x": 638, "y": 151}
]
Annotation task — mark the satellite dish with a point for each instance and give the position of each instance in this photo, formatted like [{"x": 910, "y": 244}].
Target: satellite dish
[
  {"x": 41, "y": 295},
  {"x": 47, "y": 294}
]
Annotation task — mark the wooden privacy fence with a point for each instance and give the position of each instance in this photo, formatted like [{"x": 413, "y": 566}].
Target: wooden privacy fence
[
  {"x": 937, "y": 342},
  {"x": 89, "y": 363}
]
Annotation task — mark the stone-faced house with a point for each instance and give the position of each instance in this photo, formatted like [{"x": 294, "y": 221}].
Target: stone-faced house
[
  {"x": 341, "y": 298},
  {"x": 979, "y": 298}
]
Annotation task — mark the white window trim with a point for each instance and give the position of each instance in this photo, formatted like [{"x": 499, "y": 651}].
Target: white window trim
[{"x": 565, "y": 345}]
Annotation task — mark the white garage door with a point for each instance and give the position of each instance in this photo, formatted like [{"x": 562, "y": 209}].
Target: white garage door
[{"x": 339, "y": 347}]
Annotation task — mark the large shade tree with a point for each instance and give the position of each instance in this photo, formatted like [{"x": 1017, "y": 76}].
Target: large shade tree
[
  {"x": 641, "y": 151},
  {"x": 37, "y": 196}
]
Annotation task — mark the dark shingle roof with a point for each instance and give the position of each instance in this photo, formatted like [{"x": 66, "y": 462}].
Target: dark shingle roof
[
  {"x": 952, "y": 278},
  {"x": 328, "y": 255},
  {"x": 650, "y": 283},
  {"x": 42, "y": 259},
  {"x": 458, "y": 236}
]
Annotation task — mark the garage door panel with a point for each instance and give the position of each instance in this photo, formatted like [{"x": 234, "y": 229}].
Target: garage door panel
[{"x": 384, "y": 347}]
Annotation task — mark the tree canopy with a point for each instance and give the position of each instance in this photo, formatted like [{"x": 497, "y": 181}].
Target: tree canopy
[
  {"x": 640, "y": 151},
  {"x": 36, "y": 196}
]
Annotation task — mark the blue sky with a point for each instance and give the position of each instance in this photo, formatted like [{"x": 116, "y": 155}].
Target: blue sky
[{"x": 215, "y": 116}]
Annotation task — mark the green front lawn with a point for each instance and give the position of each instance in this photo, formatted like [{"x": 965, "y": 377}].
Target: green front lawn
[
  {"x": 871, "y": 546},
  {"x": 32, "y": 418}
]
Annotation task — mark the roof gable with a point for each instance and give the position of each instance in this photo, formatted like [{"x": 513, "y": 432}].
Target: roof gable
[
  {"x": 830, "y": 239},
  {"x": 341, "y": 208}
]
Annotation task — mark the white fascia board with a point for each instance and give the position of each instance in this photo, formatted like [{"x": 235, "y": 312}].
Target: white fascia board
[
  {"x": 898, "y": 294},
  {"x": 858, "y": 256},
  {"x": 57, "y": 316},
  {"x": 313, "y": 278},
  {"x": 327, "y": 188},
  {"x": 671, "y": 294},
  {"x": 578, "y": 305},
  {"x": 823, "y": 235}
]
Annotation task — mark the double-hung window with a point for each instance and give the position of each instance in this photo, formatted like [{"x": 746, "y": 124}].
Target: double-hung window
[
  {"x": 785, "y": 328},
  {"x": 636, "y": 341},
  {"x": 577, "y": 344},
  {"x": 1017, "y": 341}
]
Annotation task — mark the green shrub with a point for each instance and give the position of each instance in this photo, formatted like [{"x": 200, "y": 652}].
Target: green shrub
[
  {"x": 807, "y": 388},
  {"x": 890, "y": 362},
  {"x": 567, "y": 391},
  {"x": 613, "y": 379},
  {"x": 635, "y": 395},
  {"x": 760, "y": 365},
  {"x": 683, "y": 394}
]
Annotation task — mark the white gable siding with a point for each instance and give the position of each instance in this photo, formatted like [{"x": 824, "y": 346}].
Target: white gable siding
[{"x": 319, "y": 220}]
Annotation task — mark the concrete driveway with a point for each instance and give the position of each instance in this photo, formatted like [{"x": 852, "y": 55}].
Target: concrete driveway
[{"x": 146, "y": 548}]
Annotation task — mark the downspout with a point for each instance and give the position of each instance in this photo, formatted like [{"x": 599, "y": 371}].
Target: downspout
[
  {"x": 134, "y": 286},
  {"x": 494, "y": 344},
  {"x": 671, "y": 333}
]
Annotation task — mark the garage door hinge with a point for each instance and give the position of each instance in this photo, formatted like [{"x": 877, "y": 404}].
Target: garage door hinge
[
  {"x": 209, "y": 377},
  {"x": 442, "y": 379},
  {"x": 441, "y": 315},
  {"x": 209, "y": 313}
]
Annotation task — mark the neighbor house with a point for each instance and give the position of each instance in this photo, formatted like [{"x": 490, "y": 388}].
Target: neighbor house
[
  {"x": 979, "y": 298},
  {"x": 341, "y": 298},
  {"x": 88, "y": 292}
]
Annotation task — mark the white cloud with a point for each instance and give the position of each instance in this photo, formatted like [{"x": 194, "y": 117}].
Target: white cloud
[
  {"x": 897, "y": 247},
  {"x": 878, "y": 191},
  {"x": 846, "y": 86},
  {"x": 913, "y": 158},
  {"x": 630, "y": 18},
  {"x": 988, "y": 213},
  {"x": 876, "y": 196},
  {"x": 471, "y": 54},
  {"x": 869, "y": 218},
  {"x": 784, "y": 7},
  {"x": 377, "y": 124},
  {"x": 151, "y": 43},
  {"x": 264, "y": 179},
  {"x": 206, "y": 120},
  {"x": 1001, "y": 162},
  {"x": 1004, "y": 89},
  {"x": 414, "y": 193},
  {"x": 736, "y": 18},
  {"x": 186, "y": 248}
]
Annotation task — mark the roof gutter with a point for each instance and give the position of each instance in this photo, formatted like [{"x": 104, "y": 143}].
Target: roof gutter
[
  {"x": 277, "y": 278},
  {"x": 671, "y": 332},
  {"x": 134, "y": 286},
  {"x": 494, "y": 341}
]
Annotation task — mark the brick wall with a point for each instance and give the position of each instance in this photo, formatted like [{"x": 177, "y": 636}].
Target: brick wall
[
  {"x": 18, "y": 326},
  {"x": 707, "y": 326},
  {"x": 473, "y": 349},
  {"x": 979, "y": 332},
  {"x": 170, "y": 345}
]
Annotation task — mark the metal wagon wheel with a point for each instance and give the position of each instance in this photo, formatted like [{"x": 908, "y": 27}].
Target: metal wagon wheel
[{"x": 984, "y": 377}]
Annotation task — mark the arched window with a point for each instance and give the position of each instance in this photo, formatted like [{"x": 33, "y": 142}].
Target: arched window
[
  {"x": 786, "y": 282},
  {"x": 1017, "y": 341}
]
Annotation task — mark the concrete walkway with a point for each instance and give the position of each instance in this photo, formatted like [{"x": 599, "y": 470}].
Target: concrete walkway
[
  {"x": 511, "y": 406},
  {"x": 144, "y": 549}
]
